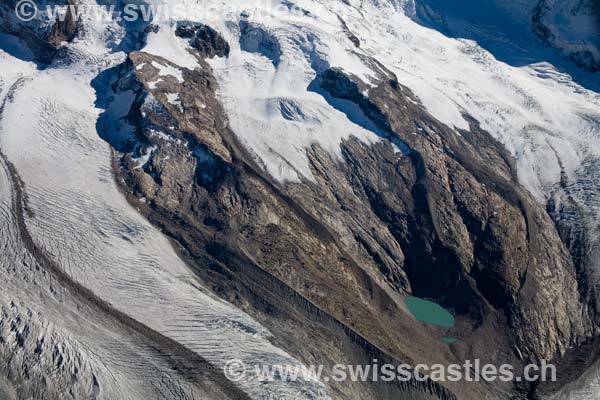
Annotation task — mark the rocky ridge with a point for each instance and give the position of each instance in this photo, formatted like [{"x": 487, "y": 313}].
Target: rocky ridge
[
  {"x": 325, "y": 263},
  {"x": 444, "y": 219}
]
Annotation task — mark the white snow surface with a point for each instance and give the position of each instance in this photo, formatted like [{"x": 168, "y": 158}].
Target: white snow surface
[
  {"x": 57, "y": 337},
  {"x": 572, "y": 25},
  {"x": 165, "y": 44},
  {"x": 81, "y": 218},
  {"x": 540, "y": 113},
  {"x": 173, "y": 98},
  {"x": 167, "y": 70},
  {"x": 48, "y": 131}
]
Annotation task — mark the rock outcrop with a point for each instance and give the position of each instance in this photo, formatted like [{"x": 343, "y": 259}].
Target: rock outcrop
[
  {"x": 326, "y": 262},
  {"x": 443, "y": 219},
  {"x": 42, "y": 35}
]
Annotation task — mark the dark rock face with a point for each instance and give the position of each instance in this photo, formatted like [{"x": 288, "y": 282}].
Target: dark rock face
[
  {"x": 202, "y": 117},
  {"x": 445, "y": 220},
  {"x": 65, "y": 29},
  {"x": 203, "y": 38},
  {"x": 473, "y": 225},
  {"x": 42, "y": 36},
  {"x": 214, "y": 200},
  {"x": 351, "y": 36}
]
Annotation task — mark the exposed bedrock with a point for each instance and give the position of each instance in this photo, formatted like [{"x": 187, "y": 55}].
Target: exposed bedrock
[
  {"x": 42, "y": 36},
  {"x": 203, "y": 38},
  {"x": 325, "y": 264}
]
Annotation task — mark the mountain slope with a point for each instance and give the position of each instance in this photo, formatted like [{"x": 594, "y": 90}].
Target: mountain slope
[{"x": 314, "y": 164}]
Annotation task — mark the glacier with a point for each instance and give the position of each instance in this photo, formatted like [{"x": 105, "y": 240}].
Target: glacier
[{"x": 545, "y": 111}]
